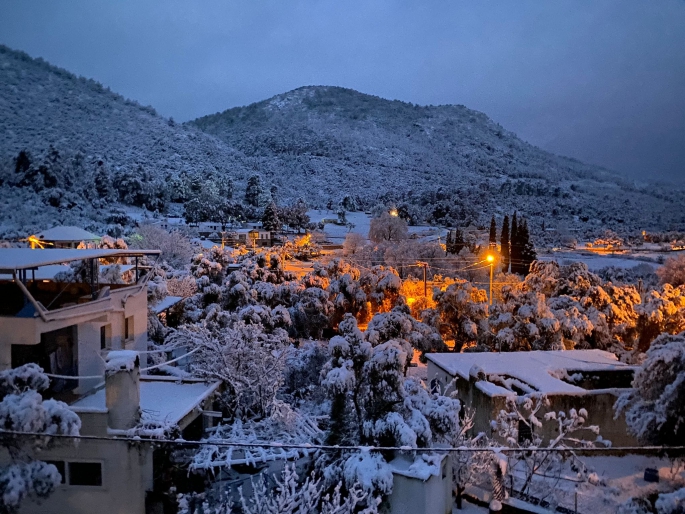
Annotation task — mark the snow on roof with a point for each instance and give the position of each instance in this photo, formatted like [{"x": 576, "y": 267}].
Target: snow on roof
[
  {"x": 536, "y": 368},
  {"x": 160, "y": 400},
  {"x": 68, "y": 233},
  {"x": 12, "y": 259},
  {"x": 422, "y": 467},
  {"x": 167, "y": 302}
]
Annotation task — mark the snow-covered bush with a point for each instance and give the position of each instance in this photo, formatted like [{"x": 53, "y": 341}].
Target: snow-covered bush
[
  {"x": 655, "y": 407},
  {"x": 387, "y": 228}
]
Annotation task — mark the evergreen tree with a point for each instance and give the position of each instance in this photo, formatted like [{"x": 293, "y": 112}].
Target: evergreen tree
[
  {"x": 254, "y": 190},
  {"x": 449, "y": 244},
  {"x": 515, "y": 246},
  {"x": 459, "y": 243},
  {"x": 504, "y": 242},
  {"x": 528, "y": 254},
  {"x": 270, "y": 219},
  {"x": 493, "y": 233}
]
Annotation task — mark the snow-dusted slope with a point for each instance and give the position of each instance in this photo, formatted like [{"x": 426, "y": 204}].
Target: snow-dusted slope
[
  {"x": 319, "y": 143},
  {"x": 335, "y": 141}
]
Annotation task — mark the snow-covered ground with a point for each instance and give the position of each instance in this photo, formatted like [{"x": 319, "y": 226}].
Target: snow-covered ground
[
  {"x": 623, "y": 478},
  {"x": 360, "y": 224},
  {"x": 598, "y": 261}
]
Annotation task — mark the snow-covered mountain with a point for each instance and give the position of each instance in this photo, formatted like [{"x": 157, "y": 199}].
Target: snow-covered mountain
[
  {"x": 447, "y": 164},
  {"x": 337, "y": 141}
]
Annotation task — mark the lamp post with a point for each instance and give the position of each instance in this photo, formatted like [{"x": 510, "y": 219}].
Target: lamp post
[
  {"x": 424, "y": 265},
  {"x": 491, "y": 259}
]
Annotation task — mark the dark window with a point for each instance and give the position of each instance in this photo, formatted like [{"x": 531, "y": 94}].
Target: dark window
[
  {"x": 126, "y": 329},
  {"x": 59, "y": 464},
  {"x": 525, "y": 432},
  {"x": 103, "y": 337},
  {"x": 85, "y": 473}
]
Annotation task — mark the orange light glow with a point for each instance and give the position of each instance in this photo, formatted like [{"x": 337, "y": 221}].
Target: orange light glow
[
  {"x": 490, "y": 258},
  {"x": 393, "y": 213}
]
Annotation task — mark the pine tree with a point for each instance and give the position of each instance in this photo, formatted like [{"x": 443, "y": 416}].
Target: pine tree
[
  {"x": 515, "y": 246},
  {"x": 449, "y": 244},
  {"x": 528, "y": 254},
  {"x": 254, "y": 191},
  {"x": 504, "y": 242},
  {"x": 270, "y": 219},
  {"x": 493, "y": 233}
]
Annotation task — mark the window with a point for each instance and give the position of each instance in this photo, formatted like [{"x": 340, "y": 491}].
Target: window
[
  {"x": 103, "y": 337},
  {"x": 79, "y": 473},
  {"x": 128, "y": 328},
  {"x": 85, "y": 473}
]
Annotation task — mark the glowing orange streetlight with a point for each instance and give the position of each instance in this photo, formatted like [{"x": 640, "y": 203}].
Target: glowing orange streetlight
[{"x": 491, "y": 259}]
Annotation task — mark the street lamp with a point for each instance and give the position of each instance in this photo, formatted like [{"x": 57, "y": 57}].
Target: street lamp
[{"x": 491, "y": 259}]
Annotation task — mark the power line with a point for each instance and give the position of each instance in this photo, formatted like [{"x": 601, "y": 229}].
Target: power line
[{"x": 336, "y": 448}]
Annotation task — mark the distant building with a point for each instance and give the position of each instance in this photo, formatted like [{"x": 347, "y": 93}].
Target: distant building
[
  {"x": 93, "y": 332},
  {"x": 65, "y": 237},
  {"x": 590, "y": 379},
  {"x": 248, "y": 236}
]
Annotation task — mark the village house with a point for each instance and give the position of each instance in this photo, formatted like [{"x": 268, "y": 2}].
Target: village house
[
  {"x": 97, "y": 333},
  {"x": 571, "y": 379},
  {"x": 62, "y": 237}
]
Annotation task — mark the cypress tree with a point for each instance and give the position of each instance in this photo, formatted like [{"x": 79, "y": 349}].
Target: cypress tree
[
  {"x": 493, "y": 233},
  {"x": 459, "y": 242},
  {"x": 515, "y": 247},
  {"x": 528, "y": 254},
  {"x": 449, "y": 245},
  {"x": 504, "y": 242}
]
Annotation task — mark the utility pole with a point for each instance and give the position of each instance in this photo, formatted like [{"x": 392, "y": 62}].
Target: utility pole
[{"x": 425, "y": 269}]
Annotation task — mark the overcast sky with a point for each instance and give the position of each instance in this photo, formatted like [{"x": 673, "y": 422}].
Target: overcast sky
[{"x": 600, "y": 80}]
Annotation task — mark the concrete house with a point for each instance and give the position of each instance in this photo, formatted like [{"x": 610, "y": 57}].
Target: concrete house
[
  {"x": 94, "y": 333},
  {"x": 590, "y": 379}
]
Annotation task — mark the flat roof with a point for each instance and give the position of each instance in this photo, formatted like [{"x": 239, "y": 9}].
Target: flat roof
[
  {"x": 166, "y": 303},
  {"x": 160, "y": 400},
  {"x": 67, "y": 233},
  {"x": 12, "y": 259},
  {"x": 535, "y": 368}
]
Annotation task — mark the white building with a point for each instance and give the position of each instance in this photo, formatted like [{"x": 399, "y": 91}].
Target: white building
[
  {"x": 86, "y": 330},
  {"x": 590, "y": 379}
]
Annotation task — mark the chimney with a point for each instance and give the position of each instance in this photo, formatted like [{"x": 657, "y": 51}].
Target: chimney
[{"x": 122, "y": 389}]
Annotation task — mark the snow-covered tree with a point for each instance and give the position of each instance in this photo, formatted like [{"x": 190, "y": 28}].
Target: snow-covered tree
[
  {"x": 520, "y": 425},
  {"x": 175, "y": 247},
  {"x": 353, "y": 243},
  {"x": 270, "y": 219},
  {"x": 22, "y": 409},
  {"x": 254, "y": 191},
  {"x": 673, "y": 271},
  {"x": 244, "y": 356},
  {"x": 387, "y": 228},
  {"x": 460, "y": 310},
  {"x": 655, "y": 407},
  {"x": 522, "y": 322},
  {"x": 662, "y": 311}
]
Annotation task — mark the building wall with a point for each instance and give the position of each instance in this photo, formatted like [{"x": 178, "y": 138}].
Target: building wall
[
  {"x": 599, "y": 405},
  {"x": 126, "y": 476}
]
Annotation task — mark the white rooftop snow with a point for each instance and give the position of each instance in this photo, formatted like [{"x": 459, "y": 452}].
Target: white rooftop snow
[
  {"x": 534, "y": 368},
  {"x": 167, "y": 302},
  {"x": 67, "y": 233},
  {"x": 160, "y": 400},
  {"x": 12, "y": 259}
]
